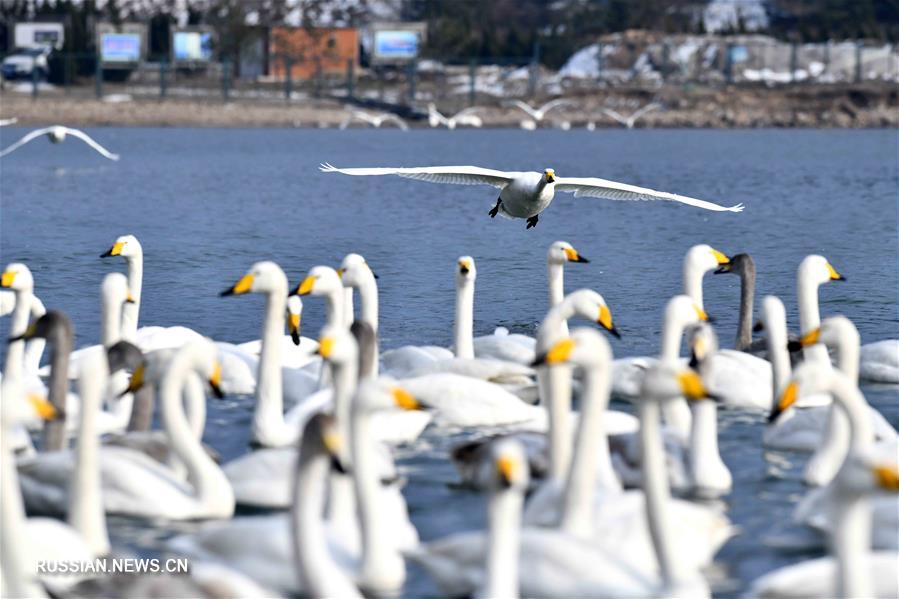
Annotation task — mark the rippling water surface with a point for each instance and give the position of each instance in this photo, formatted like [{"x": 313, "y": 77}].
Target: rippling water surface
[{"x": 208, "y": 203}]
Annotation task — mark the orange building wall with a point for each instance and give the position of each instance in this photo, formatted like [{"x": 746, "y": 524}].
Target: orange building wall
[{"x": 330, "y": 48}]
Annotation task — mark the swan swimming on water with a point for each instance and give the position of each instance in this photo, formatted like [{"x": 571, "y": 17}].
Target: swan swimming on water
[
  {"x": 57, "y": 134},
  {"x": 527, "y": 194}
]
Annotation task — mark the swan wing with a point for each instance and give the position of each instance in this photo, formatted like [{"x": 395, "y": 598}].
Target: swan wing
[
  {"x": 614, "y": 115},
  {"x": 610, "y": 190},
  {"x": 644, "y": 110},
  {"x": 89, "y": 141},
  {"x": 392, "y": 118},
  {"x": 457, "y": 175},
  {"x": 558, "y": 102},
  {"x": 527, "y": 108},
  {"x": 28, "y": 137}
]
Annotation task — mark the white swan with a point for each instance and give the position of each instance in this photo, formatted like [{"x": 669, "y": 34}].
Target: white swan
[
  {"x": 592, "y": 504},
  {"x": 553, "y": 563},
  {"x": 375, "y": 120},
  {"x": 261, "y": 547},
  {"x": 539, "y": 113},
  {"x": 880, "y": 362},
  {"x": 356, "y": 275},
  {"x": 135, "y": 484},
  {"x": 296, "y": 351},
  {"x": 26, "y": 542},
  {"x": 57, "y": 134},
  {"x": 465, "y": 117},
  {"x": 853, "y": 570},
  {"x": 527, "y": 194},
  {"x": 630, "y": 121}
]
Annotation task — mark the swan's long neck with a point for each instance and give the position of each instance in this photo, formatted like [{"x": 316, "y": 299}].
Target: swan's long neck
[
  {"x": 693, "y": 282},
  {"x": 349, "y": 310},
  {"x": 15, "y": 352},
  {"x": 194, "y": 398},
  {"x": 843, "y": 425},
  {"x": 111, "y": 321},
  {"x": 368, "y": 296},
  {"x": 464, "y": 324},
  {"x": 676, "y": 411},
  {"x": 269, "y": 412},
  {"x": 655, "y": 490},
  {"x": 710, "y": 476},
  {"x": 210, "y": 484},
  {"x": 776, "y": 332},
  {"x": 503, "y": 543},
  {"x": 555, "y": 392},
  {"x": 34, "y": 349},
  {"x": 380, "y": 563},
  {"x": 55, "y": 430},
  {"x": 86, "y": 514},
  {"x": 131, "y": 312},
  {"x": 591, "y": 456},
  {"x": 141, "y": 418},
  {"x": 335, "y": 302},
  {"x": 341, "y": 502},
  {"x": 556, "y": 275},
  {"x": 810, "y": 317},
  {"x": 850, "y": 545},
  {"x": 319, "y": 574},
  {"x": 747, "y": 294},
  {"x": 18, "y": 581}
]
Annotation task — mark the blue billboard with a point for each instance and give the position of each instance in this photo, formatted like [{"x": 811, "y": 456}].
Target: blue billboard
[
  {"x": 120, "y": 47},
  {"x": 397, "y": 45}
]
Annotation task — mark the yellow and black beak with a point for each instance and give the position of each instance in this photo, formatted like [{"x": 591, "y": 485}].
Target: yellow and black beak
[
  {"x": 136, "y": 382},
  {"x": 557, "y": 354},
  {"x": 215, "y": 381},
  {"x": 550, "y": 175},
  {"x": 7, "y": 279},
  {"x": 293, "y": 327},
  {"x": 787, "y": 399},
  {"x": 464, "y": 267},
  {"x": 692, "y": 387},
  {"x": 887, "y": 478},
  {"x": 573, "y": 256},
  {"x": 305, "y": 286},
  {"x": 811, "y": 338},
  {"x": 722, "y": 259},
  {"x": 129, "y": 299},
  {"x": 605, "y": 321},
  {"x": 115, "y": 250},
  {"x": 404, "y": 400},
  {"x": 325, "y": 347},
  {"x": 701, "y": 314},
  {"x": 44, "y": 409},
  {"x": 332, "y": 442},
  {"x": 240, "y": 287},
  {"x": 507, "y": 470},
  {"x": 834, "y": 275}
]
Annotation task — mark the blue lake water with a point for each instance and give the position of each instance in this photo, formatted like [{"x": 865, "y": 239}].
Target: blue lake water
[{"x": 207, "y": 203}]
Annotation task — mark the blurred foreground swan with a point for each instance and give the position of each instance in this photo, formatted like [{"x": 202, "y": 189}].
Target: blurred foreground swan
[
  {"x": 57, "y": 134},
  {"x": 527, "y": 194}
]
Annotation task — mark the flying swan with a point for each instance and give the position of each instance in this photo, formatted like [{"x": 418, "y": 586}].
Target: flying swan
[
  {"x": 57, "y": 134},
  {"x": 526, "y": 195}
]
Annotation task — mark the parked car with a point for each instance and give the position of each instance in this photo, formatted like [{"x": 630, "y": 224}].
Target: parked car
[{"x": 23, "y": 62}]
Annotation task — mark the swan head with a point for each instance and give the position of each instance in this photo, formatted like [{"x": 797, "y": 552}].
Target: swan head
[
  {"x": 202, "y": 355},
  {"x": 868, "y": 472},
  {"x": 561, "y": 252},
  {"x": 591, "y": 306},
  {"x": 52, "y": 326},
  {"x": 703, "y": 258},
  {"x": 337, "y": 345},
  {"x": 126, "y": 246},
  {"x": 57, "y": 134},
  {"x": 354, "y": 270},
  {"x": 817, "y": 270},
  {"x": 466, "y": 273},
  {"x": 664, "y": 382},
  {"x": 17, "y": 276},
  {"x": 809, "y": 378},
  {"x": 510, "y": 466},
  {"x": 383, "y": 394},
  {"x": 586, "y": 348},
  {"x": 321, "y": 280},
  {"x": 19, "y": 407},
  {"x": 833, "y": 332},
  {"x": 740, "y": 264},
  {"x": 114, "y": 290},
  {"x": 321, "y": 436},
  {"x": 263, "y": 277},
  {"x": 549, "y": 176},
  {"x": 703, "y": 344},
  {"x": 683, "y": 312},
  {"x": 294, "y": 317},
  {"x": 774, "y": 316},
  {"x": 127, "y": 356}
]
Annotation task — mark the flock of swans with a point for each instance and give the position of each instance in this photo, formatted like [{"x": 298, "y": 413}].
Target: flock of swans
[{"x": 582, "y": 500}]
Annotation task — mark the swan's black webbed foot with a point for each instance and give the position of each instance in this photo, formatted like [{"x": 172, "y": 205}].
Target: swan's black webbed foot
[
  {"x": 532, "y": 222},
  {"x": 495, "y": 210}
]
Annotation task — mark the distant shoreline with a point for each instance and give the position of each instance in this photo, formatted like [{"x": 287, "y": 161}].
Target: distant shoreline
[{"x": 817, "y": 106}]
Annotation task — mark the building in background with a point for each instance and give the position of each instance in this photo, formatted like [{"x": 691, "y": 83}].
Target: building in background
[{"x": 310, "y": 51}]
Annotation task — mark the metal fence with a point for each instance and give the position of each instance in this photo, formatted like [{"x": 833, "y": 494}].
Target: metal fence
[{"x": 617, "y": 60}]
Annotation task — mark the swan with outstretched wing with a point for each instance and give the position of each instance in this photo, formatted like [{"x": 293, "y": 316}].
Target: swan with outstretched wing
[
  {"x": 375, "y": 120},
  {"x": 57, "y": 134},
  {"x": 527, "y": 194},
  {"x": 631, "y": 120}
]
